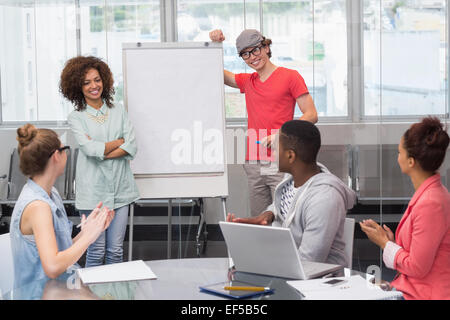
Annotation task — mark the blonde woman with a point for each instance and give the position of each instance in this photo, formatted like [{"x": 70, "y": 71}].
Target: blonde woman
[{"x": 41, "y": 233}]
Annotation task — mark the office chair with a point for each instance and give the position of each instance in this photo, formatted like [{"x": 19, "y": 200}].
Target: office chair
[
  {"x": 339, "y": 160},
  {"x": 349, "y": 231},
  {"x": 16, "y": 179}
]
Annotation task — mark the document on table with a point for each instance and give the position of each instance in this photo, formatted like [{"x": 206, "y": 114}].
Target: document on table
[
  {"x": 125, "y": 271},
  {"x": 354, "y": 288}
]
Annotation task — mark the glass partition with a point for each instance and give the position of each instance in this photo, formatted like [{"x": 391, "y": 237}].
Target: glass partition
[
  {"x": 411, "y": 36},
  {"x": 405, "y": 79}
]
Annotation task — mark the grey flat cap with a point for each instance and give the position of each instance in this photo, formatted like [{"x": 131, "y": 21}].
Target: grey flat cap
[{"x": 248, "y": 38}]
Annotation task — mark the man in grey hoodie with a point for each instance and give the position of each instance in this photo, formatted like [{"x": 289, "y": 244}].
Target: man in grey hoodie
[{"x": 311, "y": 201}]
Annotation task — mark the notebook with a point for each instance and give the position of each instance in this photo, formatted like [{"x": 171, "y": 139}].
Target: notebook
[
  {"x": 354, "y": 288},
  {"x": 219, "y": 289},
  {"x": 125, "y": 271}
]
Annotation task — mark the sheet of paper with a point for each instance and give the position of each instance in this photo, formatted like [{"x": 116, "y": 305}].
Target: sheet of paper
[
  {"x": 125, "y": 271},
  {"x": 355, "y": 288}
]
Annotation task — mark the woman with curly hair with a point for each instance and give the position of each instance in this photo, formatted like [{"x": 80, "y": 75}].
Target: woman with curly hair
[
  {"x": 107, "y": 142},
  {"x": 420, "y": 249}
]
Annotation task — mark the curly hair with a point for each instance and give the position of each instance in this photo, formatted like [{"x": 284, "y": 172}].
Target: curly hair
[
  {"x": 266, "y": 43},
  {"x": 73, "y": 75}
]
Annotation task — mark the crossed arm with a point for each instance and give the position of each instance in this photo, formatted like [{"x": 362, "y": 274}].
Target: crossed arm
[
  {"x": 112, "y": 148},
  {"x": 116, "y": 153},
  {"x": 118, "y": 148}
]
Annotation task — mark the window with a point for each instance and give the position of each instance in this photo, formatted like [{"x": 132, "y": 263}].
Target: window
[
  {"x": 405, "y": 50},
  {"x": 311, "y": 37},
  {"x": 308, "y": 36},
  {"x": 104, "y": 30},
  {"x": 195, "y": 19},
  {"x": 37, "y": 40}
]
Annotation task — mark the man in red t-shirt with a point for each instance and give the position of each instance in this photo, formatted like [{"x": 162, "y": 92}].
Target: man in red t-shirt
[{"x": 270, "y": 95}]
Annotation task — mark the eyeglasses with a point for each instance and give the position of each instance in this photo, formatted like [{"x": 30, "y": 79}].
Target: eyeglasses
[
  {"x": 60, "y": 149},
  {"x": 255, "y": 51}
]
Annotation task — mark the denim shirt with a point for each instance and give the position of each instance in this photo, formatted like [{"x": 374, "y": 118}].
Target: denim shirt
[
  {"x": 27, "y": 263},
  {"x": 98, "y": 179}
]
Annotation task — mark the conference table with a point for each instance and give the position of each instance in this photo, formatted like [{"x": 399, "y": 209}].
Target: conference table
[{"x": 177, "y": 279}]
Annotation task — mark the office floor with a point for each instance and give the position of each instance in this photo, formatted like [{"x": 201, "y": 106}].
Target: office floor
[
  {"x": 157, "y": 250},
  {"x": 150, "y": 243}
]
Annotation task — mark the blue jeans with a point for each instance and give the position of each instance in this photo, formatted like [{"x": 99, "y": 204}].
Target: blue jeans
[{"x": 109, "y": 245}]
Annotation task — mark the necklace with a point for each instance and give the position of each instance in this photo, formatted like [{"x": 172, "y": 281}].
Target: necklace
[{"x": 101, "y": 118}]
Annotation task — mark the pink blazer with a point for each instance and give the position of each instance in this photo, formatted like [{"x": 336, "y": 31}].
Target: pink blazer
[{"x": 424, "y": 235}]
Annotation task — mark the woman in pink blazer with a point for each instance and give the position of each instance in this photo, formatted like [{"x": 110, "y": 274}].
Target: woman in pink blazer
[{"x": 421, "y": 249}]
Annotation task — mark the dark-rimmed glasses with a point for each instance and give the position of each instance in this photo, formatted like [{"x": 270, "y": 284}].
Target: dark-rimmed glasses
[
  {"x": 60, "y": 149},
  {"x": 255, "y": 51}
]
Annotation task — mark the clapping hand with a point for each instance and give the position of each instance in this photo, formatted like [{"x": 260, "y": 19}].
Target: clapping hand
[
  {"x": 97, "y": 222},
  {"x": 377, "y": 234}
]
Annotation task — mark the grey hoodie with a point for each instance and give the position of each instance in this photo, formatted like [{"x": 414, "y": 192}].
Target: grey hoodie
[{"x": 317, "y": 223}]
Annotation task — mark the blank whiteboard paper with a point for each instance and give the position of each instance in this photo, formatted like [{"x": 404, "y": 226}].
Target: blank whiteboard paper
[
  {"x": 175, "y": 100},
  {"x": 117, "y": 272},
  {"x": 174, "y": 94}
]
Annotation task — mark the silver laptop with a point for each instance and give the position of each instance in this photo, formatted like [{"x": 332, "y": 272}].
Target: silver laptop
[{"x": 269, "y": 251}]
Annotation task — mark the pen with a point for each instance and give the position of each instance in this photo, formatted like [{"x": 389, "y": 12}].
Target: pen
[
  {"x": 258, "y": 142},
  {"x": 247, "y": 288},
  {"x": 81, "y": 224}
]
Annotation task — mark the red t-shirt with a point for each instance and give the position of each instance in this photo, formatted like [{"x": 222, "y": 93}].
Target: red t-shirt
[{"x": 269, "y": 105}]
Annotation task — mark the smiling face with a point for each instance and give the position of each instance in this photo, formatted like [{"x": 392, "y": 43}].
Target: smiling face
[
  {"x": 257, "y": 61},
  {"x": 92, "y": 87}
]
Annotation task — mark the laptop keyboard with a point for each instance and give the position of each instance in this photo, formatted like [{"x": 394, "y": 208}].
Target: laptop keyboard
[
  {"x": 309, "y": 268},
  {"x": 315, "y": 268}
]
